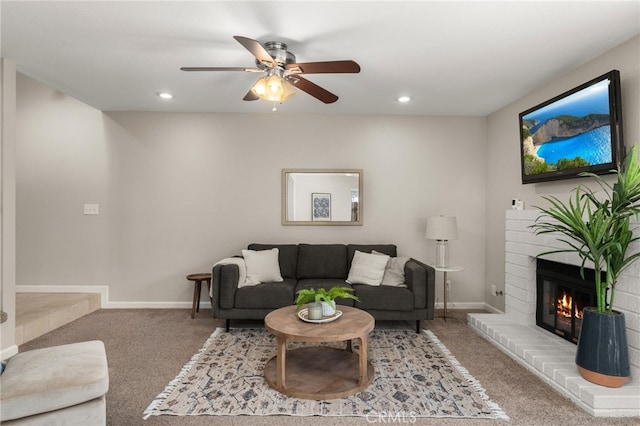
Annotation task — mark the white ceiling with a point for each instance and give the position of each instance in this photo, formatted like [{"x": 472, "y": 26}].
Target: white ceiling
[{"x": 452, "y": 58}]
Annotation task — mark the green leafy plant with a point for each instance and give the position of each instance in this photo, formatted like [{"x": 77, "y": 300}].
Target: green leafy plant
[
  {"x": 597, "y": 227},
  {"x": 321, "y": 295}
]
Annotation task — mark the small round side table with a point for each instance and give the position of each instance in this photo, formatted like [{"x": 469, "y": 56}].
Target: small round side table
[
  {"x": 446, "y": 269},
  {"x": 197, "y": 289}
]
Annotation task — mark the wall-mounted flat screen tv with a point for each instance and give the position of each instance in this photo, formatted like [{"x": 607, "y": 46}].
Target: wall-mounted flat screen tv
[{"x": 577, "y": 131}]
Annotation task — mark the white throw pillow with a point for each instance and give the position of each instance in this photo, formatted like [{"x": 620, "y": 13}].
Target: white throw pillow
[
  {"x": 262, "y": 266},
  {"x": 367, "y": 268},
  {"x": 394, "y": 271}
]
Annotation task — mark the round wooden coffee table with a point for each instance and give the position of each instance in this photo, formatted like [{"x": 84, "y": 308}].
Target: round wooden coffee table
[{"x": 319, "y": 372}]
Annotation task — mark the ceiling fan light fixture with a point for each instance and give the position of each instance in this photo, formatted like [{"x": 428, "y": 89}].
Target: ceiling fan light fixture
[
  {"x": 260, "y": 87},
  {"x": 283, "y": 72},
  {"x": 288, "y": 92},
  {"x": 273, "y": 88}
]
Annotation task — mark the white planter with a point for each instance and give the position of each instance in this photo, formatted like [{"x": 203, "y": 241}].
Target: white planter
[{"x": 328, "y": 308}]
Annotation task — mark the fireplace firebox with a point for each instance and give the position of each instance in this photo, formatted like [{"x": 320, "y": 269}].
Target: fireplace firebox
[{"x": 562, "y": 293}]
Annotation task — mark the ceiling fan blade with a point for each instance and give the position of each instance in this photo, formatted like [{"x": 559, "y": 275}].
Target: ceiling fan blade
[
  {"x": 313, "y": 90},
  {"x": 250, "y": 96},
  {"x": 324, "y": 67},
  {"x": 220, "y": 69},
  {"x": 257, "y": 50}
]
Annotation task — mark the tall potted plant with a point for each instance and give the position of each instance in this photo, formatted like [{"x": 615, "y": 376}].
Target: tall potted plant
[{"x": 598, "y": 228}]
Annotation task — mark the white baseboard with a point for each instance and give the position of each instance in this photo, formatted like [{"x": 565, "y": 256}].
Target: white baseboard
[
  {"x": 492, "y": 309},
  {"x": 461, "y": 305},
  {"x": 102, "y": 289},
  {"x": 8, "y": 352},
  {"x": 469, "y": 305},
  {"x": 154, "y": 305},
  {"x": 105, "y": 303}
]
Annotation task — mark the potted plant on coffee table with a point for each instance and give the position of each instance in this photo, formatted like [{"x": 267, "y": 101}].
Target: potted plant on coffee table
[
  {"x": 598, "y": 227},
  {"x": 324, "y": 297}
]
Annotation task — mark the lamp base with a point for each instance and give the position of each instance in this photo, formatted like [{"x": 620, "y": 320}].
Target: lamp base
[{"x": 442, "y": 253}]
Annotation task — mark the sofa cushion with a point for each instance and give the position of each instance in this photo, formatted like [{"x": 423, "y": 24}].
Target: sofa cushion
[
  {"x": 388, "y": 249},
  {"x": 93, "y": 412},
  {"x": 266, "y": 296},
  {"x": 287, "y": 257},
  {"x": 384, "y": 298},
  {"x": 262, "y": 266},
  {"x": 394, "y": 271},
  {"x": 322, "y": 261},
  {"x": 326, "y": 283},
  {"x": 367, "y": 268},
  {"x": 48, "y": 379}
]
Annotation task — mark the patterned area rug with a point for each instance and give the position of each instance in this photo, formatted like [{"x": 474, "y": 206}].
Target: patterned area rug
[{"x": 415, "y": 376}]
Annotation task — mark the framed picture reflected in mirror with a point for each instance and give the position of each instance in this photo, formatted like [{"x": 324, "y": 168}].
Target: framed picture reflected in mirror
[{"x": 320, "y": 207}]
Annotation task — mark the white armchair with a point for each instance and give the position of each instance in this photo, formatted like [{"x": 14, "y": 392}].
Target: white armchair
[{"x": 61, "y": 385}]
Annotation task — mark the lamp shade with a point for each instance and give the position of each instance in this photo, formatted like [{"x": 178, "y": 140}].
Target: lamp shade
[{"x": 442, "y": 228}]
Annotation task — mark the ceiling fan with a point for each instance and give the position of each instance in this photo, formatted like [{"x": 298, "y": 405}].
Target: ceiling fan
[{"x": 282, "y": 73}]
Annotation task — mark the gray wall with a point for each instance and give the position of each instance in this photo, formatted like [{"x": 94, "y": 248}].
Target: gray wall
[
  {"x": 179, "y": 191},
  {"x": 503, "y": 149}
]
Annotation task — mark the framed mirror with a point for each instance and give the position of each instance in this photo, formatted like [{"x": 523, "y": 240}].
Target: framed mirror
[{"x": 322, "y": 197}]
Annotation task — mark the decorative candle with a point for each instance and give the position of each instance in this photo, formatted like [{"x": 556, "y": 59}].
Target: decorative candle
[{"x": 314, "y": 311}]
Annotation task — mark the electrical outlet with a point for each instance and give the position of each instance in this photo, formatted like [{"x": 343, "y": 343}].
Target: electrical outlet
[
  {"x": 91, "y": 209},
  {"x": 448, "y": 285},
  {"x": 493, "y": 290}
]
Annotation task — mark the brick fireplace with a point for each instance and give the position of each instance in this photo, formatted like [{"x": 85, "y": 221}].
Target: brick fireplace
[{"x": 549, "y": 356}]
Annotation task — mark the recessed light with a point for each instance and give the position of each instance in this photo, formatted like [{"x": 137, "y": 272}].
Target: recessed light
[
  {"x": 165, "y": 95},
  {"x": 404, "y": 99}
]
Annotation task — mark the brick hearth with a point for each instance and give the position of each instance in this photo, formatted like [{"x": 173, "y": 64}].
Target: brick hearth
[{"x": 548, "y": 356}]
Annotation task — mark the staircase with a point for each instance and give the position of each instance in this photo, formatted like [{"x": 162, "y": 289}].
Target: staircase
[{"x": 40, "y": 313}]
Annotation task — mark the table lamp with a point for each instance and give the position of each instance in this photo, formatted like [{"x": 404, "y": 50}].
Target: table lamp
[{"x": 442, "y": 229}]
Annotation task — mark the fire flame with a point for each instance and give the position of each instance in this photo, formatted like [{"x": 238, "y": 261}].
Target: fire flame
[{"x": 563, "y": 307}]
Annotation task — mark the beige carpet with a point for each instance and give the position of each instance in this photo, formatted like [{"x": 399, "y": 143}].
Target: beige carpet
[
  {"x": 415, "y": 376},
  {"x": 146, "y": 347}
]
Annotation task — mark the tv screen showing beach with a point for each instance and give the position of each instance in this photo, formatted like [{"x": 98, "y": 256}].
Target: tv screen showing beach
[{"x": 569, "y": 133}]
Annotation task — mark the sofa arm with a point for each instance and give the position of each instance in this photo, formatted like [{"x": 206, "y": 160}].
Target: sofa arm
[
  {"x": 421, "y": 280},
  {"x": 224, "y": 283}
]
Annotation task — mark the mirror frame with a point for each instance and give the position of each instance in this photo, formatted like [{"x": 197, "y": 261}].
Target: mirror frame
[{"x": 321, "y": 223}]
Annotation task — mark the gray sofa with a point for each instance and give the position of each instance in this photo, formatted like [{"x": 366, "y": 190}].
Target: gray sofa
[{"x": 323, "y": 265}]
